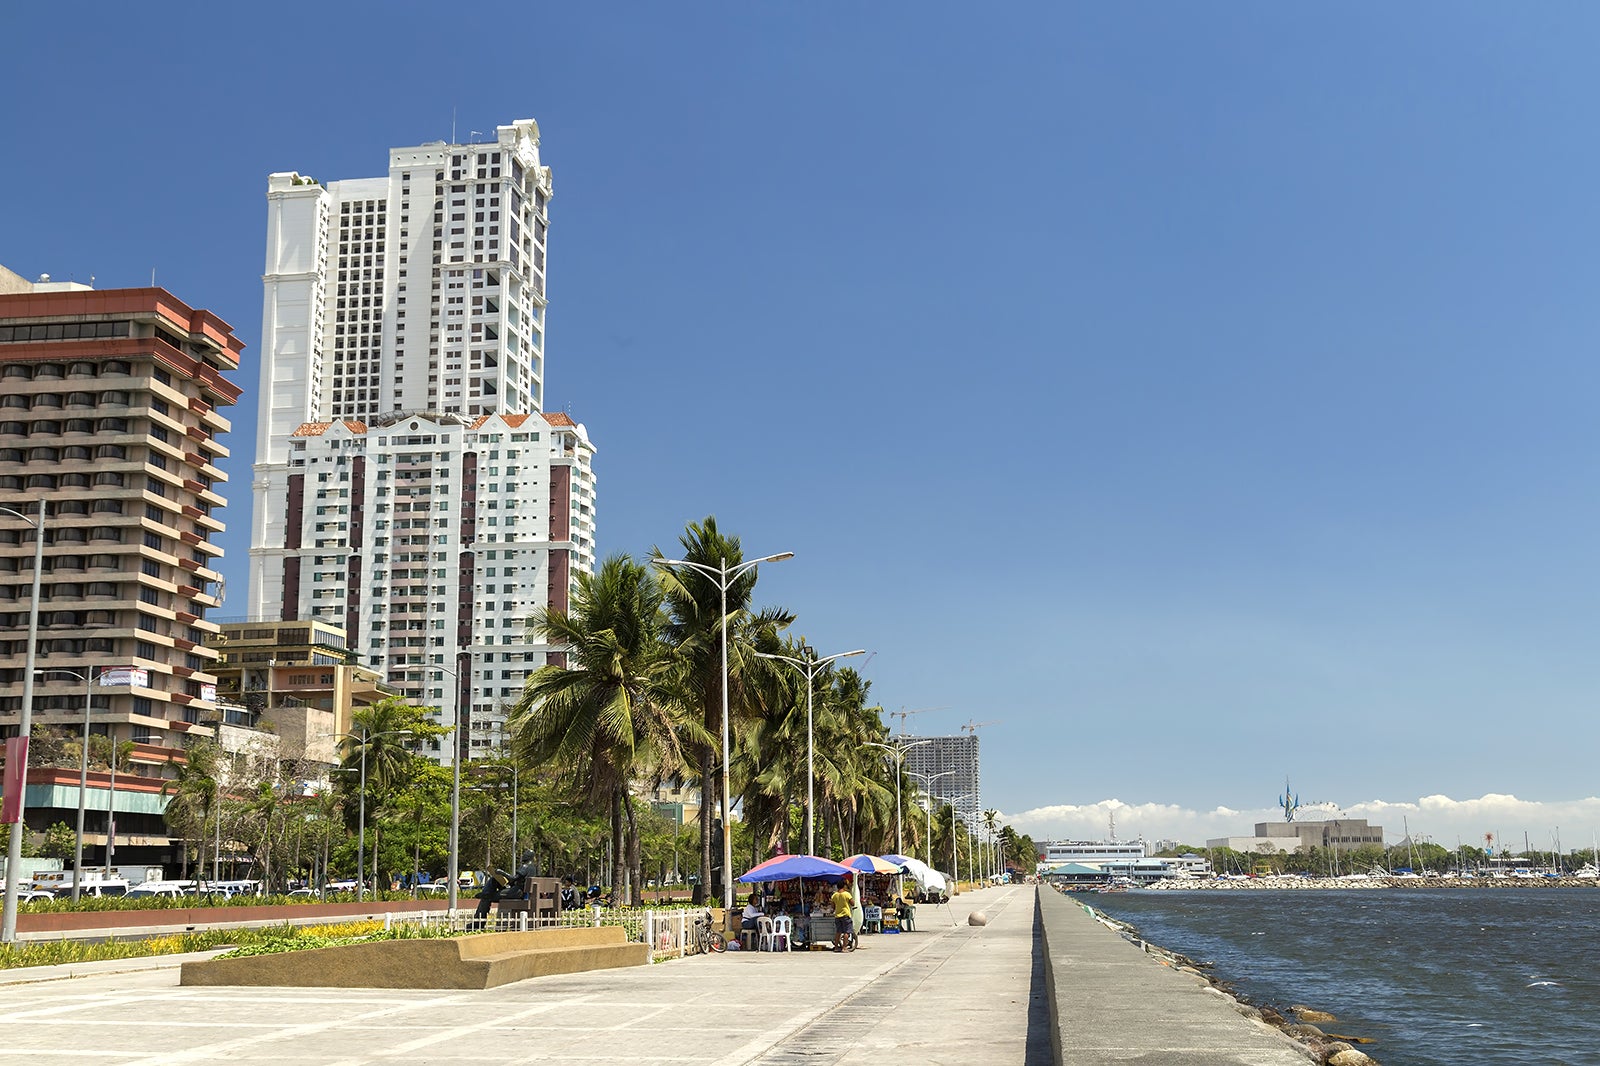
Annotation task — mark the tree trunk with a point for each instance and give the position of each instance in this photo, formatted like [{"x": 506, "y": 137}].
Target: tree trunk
[
  {"x": 635, "y": 873},
  {"x": 618, "y": 871},
  {"x": 701, "y": 890}
]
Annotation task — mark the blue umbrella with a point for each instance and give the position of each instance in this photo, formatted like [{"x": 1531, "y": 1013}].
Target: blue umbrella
[{"x": 789, "y": 867}]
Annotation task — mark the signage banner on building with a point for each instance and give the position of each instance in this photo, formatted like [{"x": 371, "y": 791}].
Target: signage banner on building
[
  {"x": 208, "y": 692},
  {"x": 16, "y": 768},
  {"x": 136, "y": 676}
]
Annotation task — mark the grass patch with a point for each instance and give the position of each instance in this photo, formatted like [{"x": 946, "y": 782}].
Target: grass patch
[{"x": 272, "y": 940}]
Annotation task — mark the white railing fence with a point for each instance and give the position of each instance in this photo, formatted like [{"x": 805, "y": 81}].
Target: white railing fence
[{"x": 669, "y": 933}]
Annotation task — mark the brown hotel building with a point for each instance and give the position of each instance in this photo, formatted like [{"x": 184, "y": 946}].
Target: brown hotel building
[{"x": 109, "y": 417}]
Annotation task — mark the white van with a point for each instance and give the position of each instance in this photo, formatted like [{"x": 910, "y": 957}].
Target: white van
[
  {"x": 162, "y": 889},
  {"x": 60, "y": 882}
]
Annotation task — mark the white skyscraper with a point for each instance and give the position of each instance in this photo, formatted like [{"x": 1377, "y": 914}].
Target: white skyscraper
[{"x": 400, "y": 313}]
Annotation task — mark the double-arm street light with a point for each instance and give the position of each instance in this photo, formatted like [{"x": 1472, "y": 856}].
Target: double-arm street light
[
  {"x": 809, "y": 667},
  {"x": 927, "y": 782},
  {"x": 366, "y": 738},
  {"x": 898, "y": 753},
  {"x": 18, "y": 748},
  {"x": 723, "y": 576},
  {"x": 955, "y": 853},
  {"x": 455, "y": 771}
]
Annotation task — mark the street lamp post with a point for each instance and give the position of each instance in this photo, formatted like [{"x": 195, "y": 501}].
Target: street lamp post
[
  {"x": 723, "y": 577},
  {"x": 927, "y": 782},
  {"x": 809, "y": 667},
  {"x": 366, "y": 738},
  {"x": 955, "y": 851},
  {"x": 19, "y": 750},
  {"x": 455, "y": 773},
  {"x": 899, "y": 753},
  {"x": 83, "y": 773}
]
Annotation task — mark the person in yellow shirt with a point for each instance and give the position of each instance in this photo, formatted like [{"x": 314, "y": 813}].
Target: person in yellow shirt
[{"x": 842, "y": 901}]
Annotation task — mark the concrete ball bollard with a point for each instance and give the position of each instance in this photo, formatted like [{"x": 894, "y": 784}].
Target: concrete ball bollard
[{"x": 977, "y": 918}]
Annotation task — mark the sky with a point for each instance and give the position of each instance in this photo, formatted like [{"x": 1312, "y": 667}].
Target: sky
[{"x": 1197, "y": 395}]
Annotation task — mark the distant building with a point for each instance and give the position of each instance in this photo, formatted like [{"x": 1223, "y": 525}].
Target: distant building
[
  {"x": 297, "y": 679},
  {"x": 110, "y": 417},
  {"x": 1337, "y": 834},
  {"x": 947, "y": 769},
  {"x": 1057, "y": 852}
]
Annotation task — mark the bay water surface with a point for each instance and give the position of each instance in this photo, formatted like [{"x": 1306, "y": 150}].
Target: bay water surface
[{"x": 1462, "y": 976}]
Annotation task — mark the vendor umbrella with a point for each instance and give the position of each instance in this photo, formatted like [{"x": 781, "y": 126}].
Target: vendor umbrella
[
  {"x": 871, "y": 864},
  {"x": 789, "y": 867},
  {"x": 930, "y": 879}
]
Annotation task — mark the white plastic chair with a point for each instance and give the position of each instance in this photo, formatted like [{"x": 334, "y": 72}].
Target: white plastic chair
[
  {"x": 769, "y": 936},
  {"x": 781, "y": 928}
]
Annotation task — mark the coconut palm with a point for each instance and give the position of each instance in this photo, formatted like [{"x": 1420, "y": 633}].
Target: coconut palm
[
  {"x": 195, "y": 793},
  {"x": 615, "y": 710},
  {"x": 694, "y": 606}
]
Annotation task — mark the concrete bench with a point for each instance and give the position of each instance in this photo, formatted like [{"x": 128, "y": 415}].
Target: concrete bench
[{"x": 484, "y": 960}]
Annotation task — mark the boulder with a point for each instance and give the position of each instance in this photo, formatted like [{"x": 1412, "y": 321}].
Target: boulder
[
  {"x": 1315, "y": 1017},
  {"x": 1303, "y": 1031},
  {"x": 977, "y": 918},
  {"x": 1350, "y": 1058}
]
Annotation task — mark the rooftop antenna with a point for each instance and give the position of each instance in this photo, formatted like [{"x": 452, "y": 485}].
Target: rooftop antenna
[
  {"x": 452, "y": 125},
  {"x": 152, "y": 277}
]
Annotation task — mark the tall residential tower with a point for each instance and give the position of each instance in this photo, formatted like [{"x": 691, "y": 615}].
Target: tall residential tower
[{"x": 408, "y": 485}]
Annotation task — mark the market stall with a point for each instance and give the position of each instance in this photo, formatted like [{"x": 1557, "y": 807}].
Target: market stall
[{"x": 797, "y": 888}]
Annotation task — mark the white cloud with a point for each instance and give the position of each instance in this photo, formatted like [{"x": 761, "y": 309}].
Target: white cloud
[{"x": 1438, "y": 818}]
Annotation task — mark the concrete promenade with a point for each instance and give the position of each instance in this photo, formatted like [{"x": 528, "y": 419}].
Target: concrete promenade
[
  {"x": 945, "y": 994},
  {"x": 1112, "y": 1003}
]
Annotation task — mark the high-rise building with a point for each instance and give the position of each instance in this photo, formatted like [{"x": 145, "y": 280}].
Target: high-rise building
[
  {"x": 408, "y": 485},
  {"x": 947, "y": 769},
  {"x": 109, "y": 419}
]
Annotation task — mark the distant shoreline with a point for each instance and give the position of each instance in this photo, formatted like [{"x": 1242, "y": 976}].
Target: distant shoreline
[{"x": 1294, "y": 883}]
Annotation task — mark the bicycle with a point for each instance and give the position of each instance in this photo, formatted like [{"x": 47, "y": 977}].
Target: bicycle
[{"x": 705, "y": 938}]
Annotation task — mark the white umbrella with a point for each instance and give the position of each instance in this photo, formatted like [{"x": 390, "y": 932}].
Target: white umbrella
[{"x": 927, "y": 877}]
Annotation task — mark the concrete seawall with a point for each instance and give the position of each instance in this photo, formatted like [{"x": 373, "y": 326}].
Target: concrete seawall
[{"x": 1112, "y": 1003}]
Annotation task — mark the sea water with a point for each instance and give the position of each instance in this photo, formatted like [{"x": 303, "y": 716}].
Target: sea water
[{"x": 1474, "y": 976}]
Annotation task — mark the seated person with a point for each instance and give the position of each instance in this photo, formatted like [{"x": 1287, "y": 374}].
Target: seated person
[{"x": 752, "y": 912}]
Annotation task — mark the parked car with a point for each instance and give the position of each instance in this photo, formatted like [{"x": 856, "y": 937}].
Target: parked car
[{"x": 302, "y": 893}]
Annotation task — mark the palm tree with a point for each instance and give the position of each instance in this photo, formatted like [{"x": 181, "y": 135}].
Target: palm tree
[
  {"x": 615, "y": 709},
  {"x": 195, "y": 793},
  {"x": 693, "y": 601}
]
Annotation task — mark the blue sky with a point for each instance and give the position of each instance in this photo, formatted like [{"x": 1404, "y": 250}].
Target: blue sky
[{"x": 1199, "y": 393}]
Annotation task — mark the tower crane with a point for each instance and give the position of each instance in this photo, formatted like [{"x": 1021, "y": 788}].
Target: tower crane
[
  {"x": 972, "y": 727},
  {"x": 903, "y": 714}
]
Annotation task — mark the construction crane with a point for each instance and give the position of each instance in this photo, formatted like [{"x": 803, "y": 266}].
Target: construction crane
[
  {"x": 972, "y": 727},
  {"x": 903, "y": 714}
]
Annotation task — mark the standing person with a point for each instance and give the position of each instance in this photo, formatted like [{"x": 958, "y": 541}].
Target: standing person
[{"x": 842, "y": 900}]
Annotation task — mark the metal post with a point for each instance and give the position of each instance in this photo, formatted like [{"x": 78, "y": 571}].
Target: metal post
[
  {"x": 111, "y": 799},
  {"x": 8, "y": 914},
  {"x": 361, "y": 821},
  {"x": 83, "y": 775},
  {"x": 455, "y": 782},
  {"x": 727, "y": 803},
  {"x": 83, "y": 785}
]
